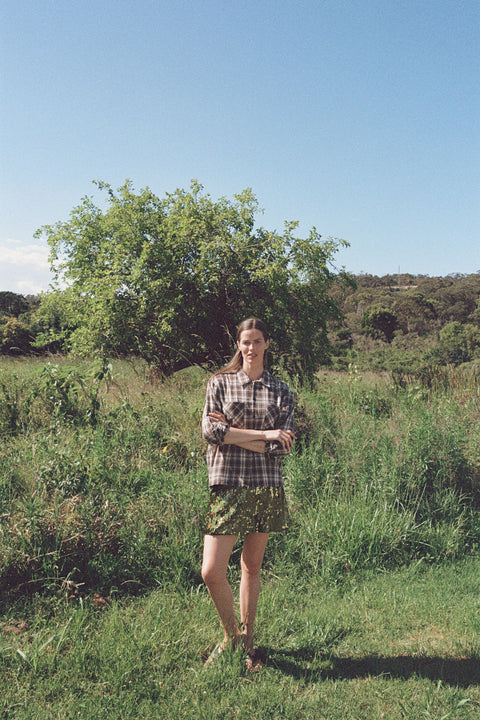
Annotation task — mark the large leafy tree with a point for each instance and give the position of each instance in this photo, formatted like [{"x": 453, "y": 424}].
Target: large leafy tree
[
  {"x": 168, "y": 279},
  {"x": 379, "y": 323}
]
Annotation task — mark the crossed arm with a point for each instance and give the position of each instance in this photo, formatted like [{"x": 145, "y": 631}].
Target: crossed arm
[{"x": 254, "y": 440}]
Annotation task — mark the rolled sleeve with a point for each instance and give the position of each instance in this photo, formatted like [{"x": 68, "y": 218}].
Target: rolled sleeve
[
  {"x": 286, "y": 422},
  {"x": 213, "y": 432},
  {"x": 274, "y": 449}
]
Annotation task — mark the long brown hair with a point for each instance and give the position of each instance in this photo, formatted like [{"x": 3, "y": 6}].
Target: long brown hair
[{"x": 236, "y": 363}]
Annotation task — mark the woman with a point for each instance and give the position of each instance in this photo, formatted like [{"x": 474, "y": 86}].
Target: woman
[{"x": 248, "y": 424}]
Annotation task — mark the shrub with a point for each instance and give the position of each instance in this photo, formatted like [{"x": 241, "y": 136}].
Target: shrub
[
  {"x": 104, "y": 483},
  {"x": 16, "y": 337},
  {"x": 379, "y": 323}
]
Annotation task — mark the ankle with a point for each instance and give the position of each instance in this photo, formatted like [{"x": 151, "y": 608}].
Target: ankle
[
  {"x": 247, "y": 643},
  {"x": 247, "y": 636},
  {"x": 232, "y": 641}
]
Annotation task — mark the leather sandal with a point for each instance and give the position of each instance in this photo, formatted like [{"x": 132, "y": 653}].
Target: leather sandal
[
  {"x": 215, "y": 654},
  {"x": 255, "y": 659}
]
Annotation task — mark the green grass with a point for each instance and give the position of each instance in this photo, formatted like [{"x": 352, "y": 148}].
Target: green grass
[
  {"x": 370, "y": 602},
  {"x": 103, "y": 478},
  {"x": 402, "y": 644}
]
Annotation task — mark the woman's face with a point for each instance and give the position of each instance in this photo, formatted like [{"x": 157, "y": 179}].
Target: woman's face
[{"x": 252, "y": 345}]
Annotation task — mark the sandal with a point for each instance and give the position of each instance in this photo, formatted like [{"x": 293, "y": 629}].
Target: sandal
[
  {"x": 255, "y": 659},
  {"x": 215, "y": 654}
]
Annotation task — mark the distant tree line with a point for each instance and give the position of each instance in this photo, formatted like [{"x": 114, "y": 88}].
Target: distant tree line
[
  {"x": 392, "y": 323},
  {"x": 167, "y": 279},
  {"x": 407, "y": 322}
]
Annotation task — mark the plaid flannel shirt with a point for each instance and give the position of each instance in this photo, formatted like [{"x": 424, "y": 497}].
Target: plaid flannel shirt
[{"x": 263, "y": 404}]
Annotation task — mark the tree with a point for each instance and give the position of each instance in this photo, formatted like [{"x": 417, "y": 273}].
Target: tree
[
  {"x": 53, "y": 323},
  {"x": 15, "y": 337},
  {"x": 458, "y": 300},
  {"x": 12, "y": 304},
  {"x": 458, "y": 343},
  {"x": 168, "y": 279},
  {"x": 414, "y": 312},
  {"x": 379, "y": 323}
]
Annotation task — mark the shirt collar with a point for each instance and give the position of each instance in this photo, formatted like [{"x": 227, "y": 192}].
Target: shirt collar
[{"x": 264, "y": 378}]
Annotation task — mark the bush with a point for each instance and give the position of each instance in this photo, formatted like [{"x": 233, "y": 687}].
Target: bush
[
  {"x": 458, "y": 343},
  {"x": 104, "y": 482},
  {"x": 16, "y": 338},
  {"x": 379, "y": 323}
]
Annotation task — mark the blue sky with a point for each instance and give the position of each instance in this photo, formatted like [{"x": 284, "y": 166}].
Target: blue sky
[{"x": 360, "y": 118}]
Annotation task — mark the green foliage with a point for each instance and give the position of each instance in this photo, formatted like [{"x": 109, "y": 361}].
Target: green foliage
[
  {"x": 52, "y": 323},
  {"x": 407, "y": 324},
  {"x": 16, "y": 331},
  {"x": 54, "y": 394},
  {"x": 15, "y": 337},
  {"x": 104, "y": 481},
  {"x": 13, "y": 304},
  {"x": 414, "y": 311},
  {"x": 458, "y": 343},
  {"x": 379, "y": 323},
  {"x": 168, "y": 279}
]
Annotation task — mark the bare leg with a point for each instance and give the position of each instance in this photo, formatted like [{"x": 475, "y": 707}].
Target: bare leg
[
  {"x": 216, "y": 555},
  {"x": 251, "y": 562}
]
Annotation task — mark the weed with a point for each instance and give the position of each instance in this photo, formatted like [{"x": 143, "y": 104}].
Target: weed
[{"x": 104, "y": 479}]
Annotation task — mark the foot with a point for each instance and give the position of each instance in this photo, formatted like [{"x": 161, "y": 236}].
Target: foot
[
  {"x": 220, "y": 647},
  {"x": 215, "y": 654},
  {"x": 255, "y": 659}
]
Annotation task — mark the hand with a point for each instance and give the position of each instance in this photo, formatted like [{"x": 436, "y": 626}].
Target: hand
[
  {"x": 284, "y": 437},
  {"x": 217, "y": 416}
]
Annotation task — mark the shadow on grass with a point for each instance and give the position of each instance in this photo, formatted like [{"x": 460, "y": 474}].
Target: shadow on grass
[{"x": 311, "y": 666}]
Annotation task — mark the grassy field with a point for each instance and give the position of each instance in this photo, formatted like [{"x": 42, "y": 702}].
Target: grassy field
[
  {"x": 370, "y": 602},
  {"x": 401, "y": 644}
]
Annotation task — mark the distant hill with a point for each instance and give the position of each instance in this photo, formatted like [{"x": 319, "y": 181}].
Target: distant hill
[{"x": 406, "y": 321}]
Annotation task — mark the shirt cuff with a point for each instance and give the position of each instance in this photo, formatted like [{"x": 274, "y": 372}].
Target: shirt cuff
[
  {"x": 274, "y": 449},
  {"x": 220, "y": 430}
]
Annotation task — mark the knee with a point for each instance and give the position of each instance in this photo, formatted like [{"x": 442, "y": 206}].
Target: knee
[
  {"x": 250, "y": 567},
  {"x": 211, "y": 575}
]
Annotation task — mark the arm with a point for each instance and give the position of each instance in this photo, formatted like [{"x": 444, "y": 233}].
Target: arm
[
  {"x": 253, "y": 445},
  {"x": 240, "y": 436},
  {"x": 286, "y": 424},
  {"x": 214, "y": 424}
]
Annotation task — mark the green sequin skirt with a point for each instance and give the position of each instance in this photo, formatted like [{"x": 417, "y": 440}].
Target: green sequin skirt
[{"x": 246, "y": 510}]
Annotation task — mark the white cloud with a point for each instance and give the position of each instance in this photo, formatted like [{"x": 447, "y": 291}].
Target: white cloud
[
  {"x": 16, "y": 253},
  {"x": 30, "y": 287},
  {"x": 24, "y": 267}
]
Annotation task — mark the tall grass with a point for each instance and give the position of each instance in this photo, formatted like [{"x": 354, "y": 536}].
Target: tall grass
[{"x": 103, "y": 482}]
